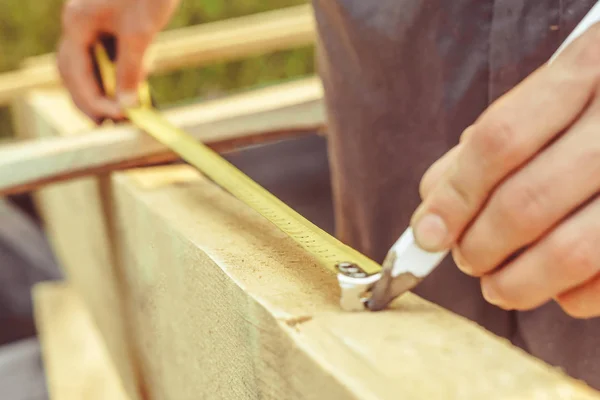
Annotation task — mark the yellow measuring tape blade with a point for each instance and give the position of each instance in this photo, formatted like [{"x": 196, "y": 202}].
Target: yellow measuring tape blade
[{"x": 327, "y": 249}]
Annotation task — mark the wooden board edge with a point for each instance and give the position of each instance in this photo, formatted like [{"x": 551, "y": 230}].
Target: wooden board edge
[
  {"x": 257, "y": 117},
  {"x": 75, "y": 359}
]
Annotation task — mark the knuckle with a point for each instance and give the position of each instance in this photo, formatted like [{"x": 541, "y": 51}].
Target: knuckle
[
  {"x": 454, "y": 197},
  {"x": 575, "y": 255},
  {"x": 457, "y": 193},
  {"x": 133, "y": 37},
  {"x": 504, "y": 296},
  {"x": 138, "y": 34},
  {"x": 461, "y": 259},
  {"x": 72, "y": 12},
  {"x": 436, "y": 172},
  {"x": 588, "y": 53},
  {"x": 574, "y": 308},
  {"x": 519, "y": 206},
  {"x": 494, "y": 137}
]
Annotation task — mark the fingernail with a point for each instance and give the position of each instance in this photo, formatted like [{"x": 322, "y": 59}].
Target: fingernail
[
  {"x": 128, "y": 99},
  {"x": 431, "y": 232},
  {"x": 490, "y": 295}
]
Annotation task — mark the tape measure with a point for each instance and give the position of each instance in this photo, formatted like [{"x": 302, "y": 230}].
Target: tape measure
[{"x": 329, "y": 251}]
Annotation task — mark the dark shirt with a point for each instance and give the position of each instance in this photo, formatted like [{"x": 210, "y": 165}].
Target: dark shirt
[{"x": 403, "y": 79}]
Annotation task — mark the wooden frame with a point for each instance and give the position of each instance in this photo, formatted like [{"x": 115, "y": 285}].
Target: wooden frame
[
  {"x": 259, "y": 116},
  {"x": 195, "y": 295},
  {"x": 256, "y": 117}
]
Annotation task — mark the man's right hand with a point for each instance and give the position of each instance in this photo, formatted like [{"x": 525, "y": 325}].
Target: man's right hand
[{"x": 134, "y": 23}]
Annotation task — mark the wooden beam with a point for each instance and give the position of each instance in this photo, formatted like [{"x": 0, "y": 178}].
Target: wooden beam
[
  {"x": 16, "y": 83},
  {"x": 227, "y": 40},
  {"x": 76, "y": 361},
  {"x": 215, "y": 302},
  {"x": 233, "y": 39},
  {"x": 241, "y": 310},
  {"x": 95, "y": 278},
  {"x": 258, "y": 116}
]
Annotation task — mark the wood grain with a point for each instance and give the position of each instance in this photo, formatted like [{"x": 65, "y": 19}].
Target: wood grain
[
  {"x": 223, "y": 305},
  {"x": 198, "y": 296}
]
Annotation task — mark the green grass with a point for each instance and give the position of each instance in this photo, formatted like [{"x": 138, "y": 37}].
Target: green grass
[{"x": 32, "y": 27}]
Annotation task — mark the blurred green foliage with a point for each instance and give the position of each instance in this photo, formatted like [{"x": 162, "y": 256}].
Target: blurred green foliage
[{"x": 32, "y": 27}]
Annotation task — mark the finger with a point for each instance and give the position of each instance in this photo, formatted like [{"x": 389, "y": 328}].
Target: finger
[
  {"x": 529, "y": 203},
  {"x": 440, "y": 167},
  {"x": 76, "y": 70},
  {"x": 562, "y": 260},
  {"x": 507, "y": 135},
  {"x": 130, "y": 66},
  {"x": 80, "y": 27},
  {"x": 583, "y": 301},
  {"x": 436, "y": 171}
]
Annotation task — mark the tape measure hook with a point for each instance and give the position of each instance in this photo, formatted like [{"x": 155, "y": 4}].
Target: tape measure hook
[
  {"x": 355, "y": 285},
  {"x": 351, "y": 269}
]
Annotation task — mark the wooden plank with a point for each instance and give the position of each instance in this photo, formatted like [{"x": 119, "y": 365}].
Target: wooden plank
[
  {"x": 87, "y": 264},
  {"x": 231, "y": 39},
  {"x": 15, "y": 83},
  {"x": 215, "y": 302},
  {"x": 243, "y": 311},
  {"x": 258, "y": 116},
  {"x": 76, "y": 362}
]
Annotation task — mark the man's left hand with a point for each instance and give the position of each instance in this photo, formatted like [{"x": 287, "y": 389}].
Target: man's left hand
[{"x": 517, "y": 199}]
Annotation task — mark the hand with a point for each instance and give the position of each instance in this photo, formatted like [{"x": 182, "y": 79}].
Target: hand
[
  {"x": 516, "y": 200},
  {"x": 134, "y": 23}
]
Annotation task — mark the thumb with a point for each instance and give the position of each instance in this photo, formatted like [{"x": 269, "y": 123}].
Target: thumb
[{"x": 130, "y": 69}]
